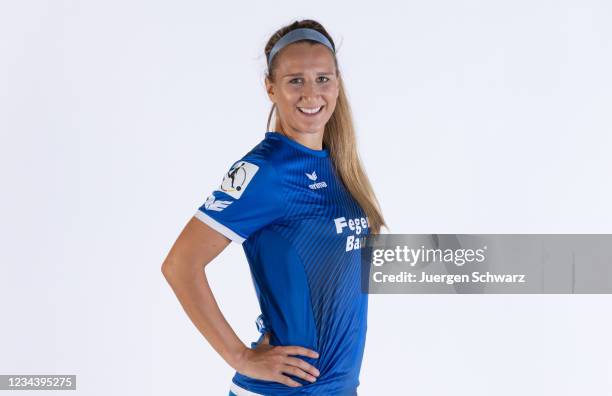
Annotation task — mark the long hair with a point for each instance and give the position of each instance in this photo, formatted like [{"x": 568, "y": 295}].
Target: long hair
[{"x": 339, "y": 135}]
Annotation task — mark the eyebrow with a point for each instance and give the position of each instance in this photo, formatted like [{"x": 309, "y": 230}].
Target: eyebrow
[{"x": 301, "y": 74}]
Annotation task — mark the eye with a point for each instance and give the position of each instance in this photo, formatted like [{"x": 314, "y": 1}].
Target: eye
[
  {"x": 326, "y": 79},
  {"x": 295, "y": 81}
]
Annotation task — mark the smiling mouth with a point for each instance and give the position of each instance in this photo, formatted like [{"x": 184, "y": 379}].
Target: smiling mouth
[{"x": 310, "y": 111}]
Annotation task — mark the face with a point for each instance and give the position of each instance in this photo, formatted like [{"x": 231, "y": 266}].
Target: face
[{"x": 305, "y": 87}]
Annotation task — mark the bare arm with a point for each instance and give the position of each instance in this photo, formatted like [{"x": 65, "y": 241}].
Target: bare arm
[{"x": 196, "y": 246}]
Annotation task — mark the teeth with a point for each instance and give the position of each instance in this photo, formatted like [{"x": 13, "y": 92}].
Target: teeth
[{"x": 310, "y": 110}]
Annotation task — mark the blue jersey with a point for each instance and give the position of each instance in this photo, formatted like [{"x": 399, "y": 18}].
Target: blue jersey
[{"x": 301, "y": 231}]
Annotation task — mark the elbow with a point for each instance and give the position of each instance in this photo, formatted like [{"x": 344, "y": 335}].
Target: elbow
[
  {"x": 168, "y": 268},
  {"x": 177, "y": 267}
]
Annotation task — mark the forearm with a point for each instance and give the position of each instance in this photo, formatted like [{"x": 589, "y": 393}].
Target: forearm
[{"x": 193, "y": 291}]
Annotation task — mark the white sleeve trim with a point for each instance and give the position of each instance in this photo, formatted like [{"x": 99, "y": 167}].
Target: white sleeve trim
[{"x": 215, "y": 225}]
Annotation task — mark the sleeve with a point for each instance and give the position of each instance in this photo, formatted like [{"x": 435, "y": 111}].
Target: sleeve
[{"x": 249, "y": 198}]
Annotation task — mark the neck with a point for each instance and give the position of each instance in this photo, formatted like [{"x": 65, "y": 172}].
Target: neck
[{"x": 312, "y": 140}]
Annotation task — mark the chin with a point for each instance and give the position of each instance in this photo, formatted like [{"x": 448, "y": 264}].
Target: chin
[
  {"x": 313, "y": 125},
  {"x": 311, "y": 128}
]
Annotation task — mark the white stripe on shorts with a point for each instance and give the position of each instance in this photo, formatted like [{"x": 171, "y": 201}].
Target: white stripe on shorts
[{"x": 240, "y": 391}]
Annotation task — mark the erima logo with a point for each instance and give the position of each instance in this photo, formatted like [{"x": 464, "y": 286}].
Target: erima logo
[
  {"x": 313, "y": 176},
  {"x": 216, "y": 205}
]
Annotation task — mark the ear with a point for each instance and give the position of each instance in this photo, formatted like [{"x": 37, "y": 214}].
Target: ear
[{"x": 270, "y": 89}]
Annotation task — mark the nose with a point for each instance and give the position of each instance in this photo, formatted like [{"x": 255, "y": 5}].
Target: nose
[{"x": 309, "y": 90}]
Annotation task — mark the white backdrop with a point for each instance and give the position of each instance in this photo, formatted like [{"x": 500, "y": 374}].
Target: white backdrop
[{"x": 118, "y": 118}]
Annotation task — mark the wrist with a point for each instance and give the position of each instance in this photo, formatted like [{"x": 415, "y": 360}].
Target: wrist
[{"x": 237, "y": 359}]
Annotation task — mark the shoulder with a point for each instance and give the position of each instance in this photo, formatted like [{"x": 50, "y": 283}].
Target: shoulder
[
  {"x": 255, "y": 170},
  {"x": 264, "y": 153},
  {"x": 263, "y": 158}
]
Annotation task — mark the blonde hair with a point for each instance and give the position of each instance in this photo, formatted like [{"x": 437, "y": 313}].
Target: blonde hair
[{"x": 339, "y": 136}]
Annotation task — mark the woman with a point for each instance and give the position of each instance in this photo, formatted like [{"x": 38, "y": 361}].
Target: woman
[{"x": 300, "y": 204}]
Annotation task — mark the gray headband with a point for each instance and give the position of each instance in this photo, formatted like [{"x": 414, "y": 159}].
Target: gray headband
[{"x": 299, "y": 34}]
